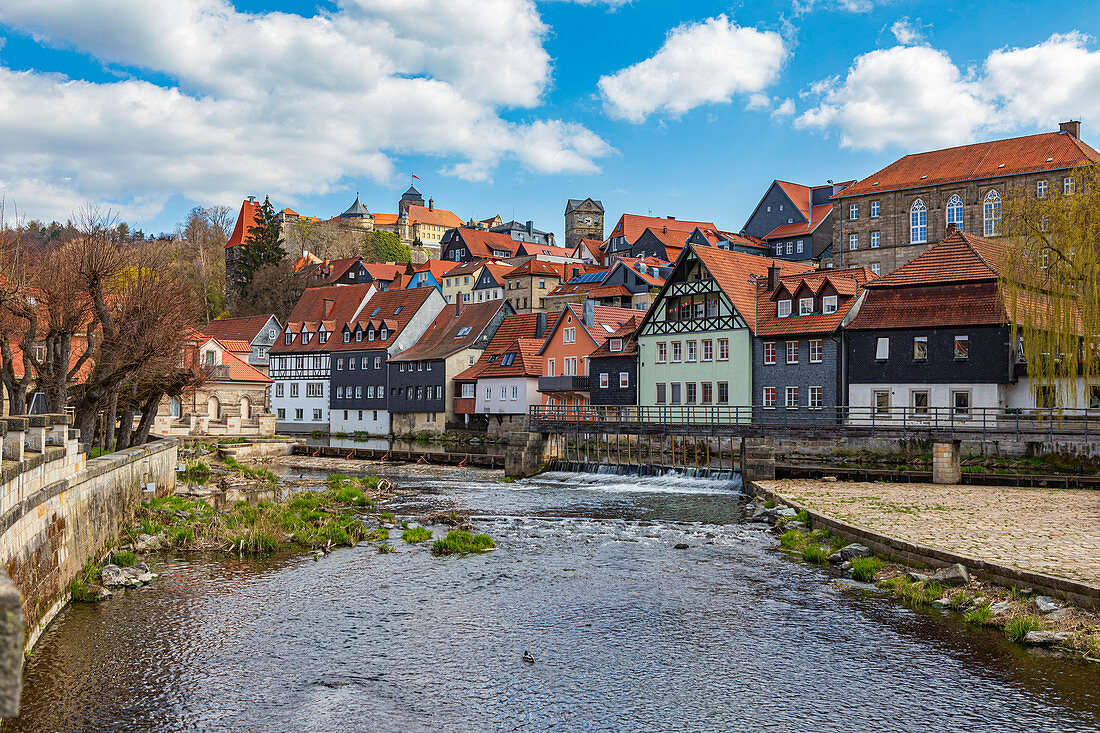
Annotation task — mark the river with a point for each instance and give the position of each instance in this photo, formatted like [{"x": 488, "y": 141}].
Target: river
[{"x": 628, "y": 634}]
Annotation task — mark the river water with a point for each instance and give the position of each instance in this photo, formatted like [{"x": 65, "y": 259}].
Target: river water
[{"x": 628, "y": 633}]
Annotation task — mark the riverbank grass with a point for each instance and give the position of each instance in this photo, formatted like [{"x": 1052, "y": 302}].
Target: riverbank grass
[
  {"x": 461, "y": 542},
  {"x": 864, "y": 569},
  {"x": 413, "y": 535}
]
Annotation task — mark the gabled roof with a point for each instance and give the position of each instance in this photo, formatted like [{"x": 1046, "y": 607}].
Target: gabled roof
[
  {"x": 306, "y": 261},
  {"x": 466, "y": 268},
  {"x": 437, "y": 268},
  {"x": 532, "y": 249},
  {"x": 236, "y": 346},
  {"x": 574, "y": 203},
  {"x": 246, "y": 219},
  {"x": 1046, "y": 151},
  {"x": 631, "y": 263},
  {"x": 819, "y": 214},
  {"x": 668, "y": 237},
  {"x": 847, "y": 283},
  {"x": 434, "y": 217},
  {"x": 338, "y": 268},
  {"x": 535, "y": 268},
  {"x": 442, "y": 340},
  {"x": 733, "y": 272},
  {"x": 383, "y": 271},
  {"x": 390, "y": 308},
  {"x": 631, "y": 226},
  {"x": 385, "y": 220},
  {"x": 482, "y": 243},
  {"x": 310, "y": 312},
  {"x": 958, "y": 257},
  {"x": 625, "y": 332},
  {"x": 514, "y": 327},
  {"x": 605, "y": 321},
  {"x": 237, "y": 370},
  {"x": 594, "y": 247},
  {"x": 245, "y": 328},
  {"x": 799, "y": 195},
  {"x": 497, "y": 271}
]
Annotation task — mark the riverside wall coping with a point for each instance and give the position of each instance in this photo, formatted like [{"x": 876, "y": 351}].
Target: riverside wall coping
[{"x": 915, "y": 553}]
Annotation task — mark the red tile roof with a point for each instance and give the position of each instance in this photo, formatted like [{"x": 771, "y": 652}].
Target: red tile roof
[
  {"x": 438, "y": 268},
  {"x": 931, "y": 306},
  {"x": 245, "y": 328},
  {"x": 515, "y": 327},
  {"x": 331, "y": 306},
  {"x": 236, "y": 346},
  {"x": 733, "y": 272},
  {"x": 799, "y": 195},
  {"x": 958, "y": 257},
  {"x": 382, "y": 310},
  {"x": 384, "y": 271},
  {"x": 442, "y": 340},
  {"x": 594, "y": 247},
  {"x": 536, "y": 268},
  {"x": 846, "y": 283},
  {"x": 482, "y": 243},
  {"x": 246, "y": 219},
  {"x": 434, "y": 217},
  {"x": 631, "y": 226},
  {"x": 384, "y": 219},
  {"x": 338, "y": 268},
  {"x": 1046, "y": 151},
  {"x": 529, "y": 248},
  {"x": 238, "y": 369},
  {"x": 625, "y": 332},
  {"x": 498, "y": 271},
  {"x": 605, "y": 321},
  {"x": 820, "y": 213}
]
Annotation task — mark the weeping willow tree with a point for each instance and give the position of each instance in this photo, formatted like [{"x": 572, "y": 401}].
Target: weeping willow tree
[{"x": 1051, "y": 281}]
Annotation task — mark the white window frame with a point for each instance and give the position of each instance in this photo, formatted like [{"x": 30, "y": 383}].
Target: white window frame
[
  {"x": 624, "y": 380},
  {"x": 789, "y": 392},
  {"x": 783, "y": 309},
  {"x": 805, "y": 306},
  {"x": 991, "y": 214},
  {"x": 788, "y": 352},
  {"x": 876, "y": 239},
  {"x": 723, "y": 349},
  {"x": 1069, "y": 186},
  {"x": 918, "y": 223},
  {"x": 828, "y": 304},
  {"x": 875, "y": 208},
  {"x": 769, "y": 352},
  {"x": 882, "y": 348},
  {"x": 954, "y": 211},
  {"x": 818, "y": 345},
  {"x": 853, "y": 212},
  {"x": 767, "y": 397},
  {"x": 1041, "y": 189},
  {"x": 814, "y": 397},
  {"x": 853, "y": 242},
  {"x": 603, "y": 380}
]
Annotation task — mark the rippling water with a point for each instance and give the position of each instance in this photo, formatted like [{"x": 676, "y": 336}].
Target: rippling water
[{"x": 628, "y": 634}]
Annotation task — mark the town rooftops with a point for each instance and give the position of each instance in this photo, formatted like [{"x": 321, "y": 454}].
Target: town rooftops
[
  {"x": 390, "y": 309},
  {"x": 245, "y": 328},
  {"x": 606, "y": 320},
  {"x": 437, "y": 268},
  {"x": 457, "y": 327},
  {"x": 485, "y": 244},
  {"x": 819, "y": 214},
  {"x": 236, "y": 369},
  {"x": 384, "y": 271},
  {"x": 845, "y": 284},
  {"x": 958, "y": 257},
  {"x": 433, "y": 216},
  {"x": 466, "y": 268},
  {"x": 516, "y": 326},
  {"x": 631, "y": 226},
  {"x": 594, "y": 248},
  {"x": 338, "y": 268},
  {"x": 327, "y": 307},
  {"x": 535, "y": 268},
  {"x": 1046, "y": 151},
  {"x": 246, "y": 219},
  {"x": 734, "y": 272},
  {"x": 624, "y": 333},
  {"x": 534, "y": 250},
  {"x": 497, "y": 270}
]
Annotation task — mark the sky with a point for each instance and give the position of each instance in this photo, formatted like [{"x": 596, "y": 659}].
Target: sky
[{"x": 510, "y": 107}]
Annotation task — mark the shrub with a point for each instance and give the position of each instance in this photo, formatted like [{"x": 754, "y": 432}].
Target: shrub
[
  {"x": 814, "y": 553},
  {"x": 1017, "y": 628},
  {"x": 124, "y": 558},
  {"x": 378, "y": 534},
  {"x": 385, "y": 547},
  {"x": 181, "y": 535},
  {"x": 864, "y": 569},
  {"x": 461, "y": 542},
  {"x": 386, "y": 517},
  {"x": 148, "y": 526},
  {"x": 803, "y": 516},
  {"x": 792, "y": 539},
  {"x": 416, "y": 534}
]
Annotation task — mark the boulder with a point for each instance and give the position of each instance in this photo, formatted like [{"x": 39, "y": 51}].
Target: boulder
[
  {"x": 786, "y": 511},
  {"x": 854, "y": 550},
  {"x": 917, "y": 577},
  {"x": 830, "y": 479},
  {"x": 835, "y": 558},
  {"x": 1000, "y": 607},
  {"x": 98, "y": 592},
  {"x": 1046, "y": 604},
  {"x": 1060, "y": 615},
  {"x": 956, "y": 574},
  {"x": 139, "y": 574},
  {"x": 1045, "y": 638},
  {"x": 149, "y": 543},
  {"x": 794, "y": 525},
  {"x": 944, "y": 602},
  {"x": 680, "y": 546},
  {"x": 112, "y": 575}
]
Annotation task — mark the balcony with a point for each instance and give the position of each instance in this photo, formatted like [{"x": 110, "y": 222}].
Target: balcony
[{"x": 571, "y": 383}]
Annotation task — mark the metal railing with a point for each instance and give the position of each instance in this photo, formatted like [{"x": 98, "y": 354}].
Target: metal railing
[{"x": 942, "y": 422}]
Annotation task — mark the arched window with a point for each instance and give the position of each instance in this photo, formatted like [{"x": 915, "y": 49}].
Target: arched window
[
  {"x": 955, "y": 211},
  {"x": 918, "y": 223},
  {"x": 991, "y": 214}
]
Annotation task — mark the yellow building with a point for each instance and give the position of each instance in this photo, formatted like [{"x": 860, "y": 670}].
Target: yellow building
[{"x": 460, "y": 280}]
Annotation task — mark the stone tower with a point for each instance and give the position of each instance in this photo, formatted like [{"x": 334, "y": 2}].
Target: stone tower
[{"x": 583, "y": 220}]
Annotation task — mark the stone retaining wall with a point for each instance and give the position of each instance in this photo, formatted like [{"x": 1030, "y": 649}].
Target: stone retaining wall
[
  {"x": 915, "y": 554},
  {"x": 258, "y": 450},
  {"x": 57, "y": 510}
]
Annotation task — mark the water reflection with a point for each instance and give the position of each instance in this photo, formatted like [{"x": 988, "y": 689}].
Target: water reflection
[{"x": 628, "y": 633}]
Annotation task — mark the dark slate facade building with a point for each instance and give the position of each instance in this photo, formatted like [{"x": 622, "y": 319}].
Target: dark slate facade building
[
  {"x": 795, "y": 221},
  {"x": 524, "y": 233},
  {"x": 613, "y": 368},
  {"x": 799, "y": 346},
  {"x": 421, "y": 390}
]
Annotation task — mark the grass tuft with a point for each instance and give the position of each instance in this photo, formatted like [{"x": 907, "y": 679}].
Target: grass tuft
[
  {"x": 792, "y": 539},
  {"x": 461, "y": 542},
  {"x": 980, "y": 615},
  {"x": 864, "y": 569},
  {"x": 1017, "y": 628},
  {"x": 416, "y": 534},
  {"x": 815, "y": 553},
  {"x": 124, "y": 558}
]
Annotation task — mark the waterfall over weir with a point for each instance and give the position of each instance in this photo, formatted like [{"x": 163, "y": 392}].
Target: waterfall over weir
[{"x": 633, "y": 469}]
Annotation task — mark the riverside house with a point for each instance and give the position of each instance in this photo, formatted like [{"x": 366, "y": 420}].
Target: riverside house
[
  {"x": 934, "y": 334},
  {"x": 299, "y": 361},
  {"x": 695, "y": 343},
  {"x": 613, "y": 367},
  {"x": 578, "y": 331},
  {"x": 258, "y": 332},
  {"x": 389, "y": 324},
  {"x": 421, "y": 386},
  {"x": 799, "y": 352}
]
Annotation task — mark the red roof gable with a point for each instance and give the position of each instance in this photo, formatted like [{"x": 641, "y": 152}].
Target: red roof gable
[
  {"x": 631, "y": 226},
  {"x": 846, "y": 283},
  {"x": 246, "y": 219},
  {"x": 733, "y": 272},
  {"x": 820, "y": 213},
  {"x": 514, "y": 327},
  {"x": 245, "y": 328},
  {"x": 330, "y": 306},
  {"x": 482, "y": 243},
  {"x": 1046, "y": 151},
  {"x": 239, "y": 370},
  {"x": 442, "y": 340},
  {"x": 383, "y": 270},
  {"x": 957, "y": 257},
  {"x": 799, "y": 195},
  {"x": 392, "y": 309}
]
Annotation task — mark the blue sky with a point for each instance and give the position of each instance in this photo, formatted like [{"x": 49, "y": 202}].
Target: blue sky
[{"x": 511, "y": 106}]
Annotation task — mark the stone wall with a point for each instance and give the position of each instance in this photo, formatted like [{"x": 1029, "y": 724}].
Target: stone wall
[
  {"x": 58, "y": 509},
  {"x": 258, "y": 450}
]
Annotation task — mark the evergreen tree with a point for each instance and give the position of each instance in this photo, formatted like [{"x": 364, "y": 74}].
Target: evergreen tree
[{"x": 264, "y": 245}]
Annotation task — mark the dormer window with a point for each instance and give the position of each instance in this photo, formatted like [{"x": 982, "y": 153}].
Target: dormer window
[
  {"x": 616, "y": 344},
  {"x": 289, "y": 338},
  {"x": 305, "y": 337},
  {"x": 828, "y": 304},
  {"x": 358, "y": 335},
  {"x": 370, "y": 335},
  {"x": 322, "y": 336},
  {"x": 784, "y": 308},
  {"x": 384, "y": 333},
  {"x": 351, "y": 274},
  {"x": 347, "y": 336},
  {"x": 805, "y": 306}
]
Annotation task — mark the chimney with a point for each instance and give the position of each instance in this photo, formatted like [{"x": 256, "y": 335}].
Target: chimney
[
  {"x": 431, "y": 204},
  {"x": 588, "y": 312},
  {"x": 530, "y": 227},
  {"x": 773, "y": 276},
  {"x": 952, "y": 227},
  {"x": 327, "y": 307},
  {"x": 673, "y": 218},
  {"x": 540, "y": 324},
  {"x": 458, "y": 304},
  {"x": 252, "y": 199},
  {"x": 1073, "y": 127}
]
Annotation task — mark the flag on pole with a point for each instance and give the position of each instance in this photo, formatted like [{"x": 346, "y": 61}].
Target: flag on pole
[{"x": 416, "y": 176}]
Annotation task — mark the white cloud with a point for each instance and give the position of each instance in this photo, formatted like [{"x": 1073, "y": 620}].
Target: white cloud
[
  {"x": 907, "y": 32},
  {"x": 915, "y": 97},
  {"x": 699, "y": 63},
  {"x": 801, "y": 7},
  {"x": 274, "y": 102}
]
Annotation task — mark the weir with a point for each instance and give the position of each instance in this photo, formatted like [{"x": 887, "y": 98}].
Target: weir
[{"x": 620, "y": 469}]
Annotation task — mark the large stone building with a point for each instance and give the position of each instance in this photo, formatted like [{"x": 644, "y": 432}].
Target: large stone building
[
  {"x": 583, "y": 220},
  {"x": 888, "y": 218}
]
